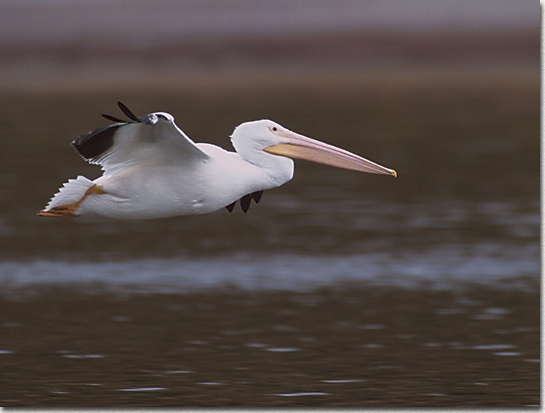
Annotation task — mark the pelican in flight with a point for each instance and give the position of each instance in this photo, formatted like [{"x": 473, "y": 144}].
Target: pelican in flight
[{"x": 153, "y": 170}]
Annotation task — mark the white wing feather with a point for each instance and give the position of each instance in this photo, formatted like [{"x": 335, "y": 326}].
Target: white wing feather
[{"x": 154, "y": 140}]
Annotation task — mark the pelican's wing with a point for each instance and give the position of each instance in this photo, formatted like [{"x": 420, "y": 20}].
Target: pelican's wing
[{"x": 153, "y": 139}]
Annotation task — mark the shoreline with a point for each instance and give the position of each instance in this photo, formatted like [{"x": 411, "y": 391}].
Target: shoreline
[{"x": 96, "y": 79}]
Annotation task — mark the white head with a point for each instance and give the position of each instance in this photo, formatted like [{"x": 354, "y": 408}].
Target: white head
[
  {"x": 269, "y": 145},
  {"x": 251, "y": 139}
]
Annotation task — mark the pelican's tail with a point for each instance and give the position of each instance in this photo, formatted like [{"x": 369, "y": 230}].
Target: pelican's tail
[{"x": 66, "y": 202}]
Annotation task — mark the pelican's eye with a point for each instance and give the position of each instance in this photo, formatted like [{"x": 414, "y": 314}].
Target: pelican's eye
[{"x": 274, "y": 128}]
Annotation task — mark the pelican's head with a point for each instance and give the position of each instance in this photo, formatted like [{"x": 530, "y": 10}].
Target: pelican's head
[{"x": 252, "y": 138}]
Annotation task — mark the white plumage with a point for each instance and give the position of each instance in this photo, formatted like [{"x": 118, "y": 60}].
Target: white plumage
[{"x": 153, "y": 170}]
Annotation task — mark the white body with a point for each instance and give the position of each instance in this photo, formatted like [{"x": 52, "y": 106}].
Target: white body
[{"x": 191, "y": 188}]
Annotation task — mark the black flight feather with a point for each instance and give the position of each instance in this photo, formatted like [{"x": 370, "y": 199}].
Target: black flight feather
[
  {"x": 245, "y": 202},
  {"x": 91, "y": 145},
  {"x": 112, "y": 118},
  {"x": 256, "y": 196},
  {"x": 127, "y": 112}
]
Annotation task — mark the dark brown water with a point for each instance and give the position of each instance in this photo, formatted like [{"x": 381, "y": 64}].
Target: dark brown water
[
  {"x": 338, "y": 289},
  {"x": 347, "y": 346}
]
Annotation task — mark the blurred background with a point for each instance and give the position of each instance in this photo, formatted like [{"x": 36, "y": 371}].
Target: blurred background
[{"x": 445, "y": 92}]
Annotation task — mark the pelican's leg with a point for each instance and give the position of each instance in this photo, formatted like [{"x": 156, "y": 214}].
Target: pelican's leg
[{"x": 69, "y": 210}]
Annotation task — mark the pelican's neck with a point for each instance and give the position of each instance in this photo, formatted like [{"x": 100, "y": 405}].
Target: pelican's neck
[{"x": 278, "y": 168}]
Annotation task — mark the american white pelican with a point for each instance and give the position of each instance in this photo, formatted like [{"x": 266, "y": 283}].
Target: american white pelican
[{"x": 153, "y": 170}]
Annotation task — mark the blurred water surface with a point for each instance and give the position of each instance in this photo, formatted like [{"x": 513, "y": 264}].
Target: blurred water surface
[{"x": 465, "y": 207}]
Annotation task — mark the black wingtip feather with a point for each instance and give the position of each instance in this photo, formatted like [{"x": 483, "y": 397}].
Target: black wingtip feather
[
  {"x": 230, "y": 207},
  {"x": 91, "y": 145},
  {"x": 112, "y": 118},
  {"x": 127, "y": 112}
]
